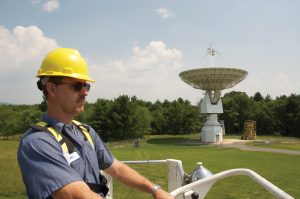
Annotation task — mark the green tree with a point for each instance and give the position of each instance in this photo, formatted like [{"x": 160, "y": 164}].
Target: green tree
[
  {"x": 98, "y": 117},
  {"x": 237, "y": 107},
  {"x": 140, "y": 120},
  {"x": 158, "y": 121},
  {"x": 181, "y": 117},
  {"x": 292, "y": 114},
  {"x": 120, "y": 119},
  {"x": 6, "y": 121},
  {"x": 43, "y": 105},
  {"x": 278, "y": 108},
  {"x": 264, "y": 117},
  {"x": 25, "y": 117},
  {"x": 258, "y": 97}
]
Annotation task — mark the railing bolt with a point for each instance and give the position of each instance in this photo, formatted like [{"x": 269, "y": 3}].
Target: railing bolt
[{"x": 195, "y": 195}]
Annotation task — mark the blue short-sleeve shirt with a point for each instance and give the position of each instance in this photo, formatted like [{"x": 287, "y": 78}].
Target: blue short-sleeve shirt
[{"x": 44, "y": 167}]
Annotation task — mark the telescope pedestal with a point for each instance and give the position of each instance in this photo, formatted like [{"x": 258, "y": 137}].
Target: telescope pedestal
[{"x": 212, "y": 130}]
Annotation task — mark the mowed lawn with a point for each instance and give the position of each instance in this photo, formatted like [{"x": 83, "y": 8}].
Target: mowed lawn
[{"x": 282, "y": 170}]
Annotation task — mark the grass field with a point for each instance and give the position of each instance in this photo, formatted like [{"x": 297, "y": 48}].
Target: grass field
[{"x": 282, "y": 170}]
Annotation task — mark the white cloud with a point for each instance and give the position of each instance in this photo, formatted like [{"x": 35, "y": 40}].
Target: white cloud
[
  {"x": 51, "y": 6},
  {"x": 150, "y": 73},
  {"x": 165, "y": 13},
  {"x": 22, "y": 50},
  {"x": 21, "y": 46}
]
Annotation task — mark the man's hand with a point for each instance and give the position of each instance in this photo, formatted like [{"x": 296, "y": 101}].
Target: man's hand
[
  {"x": 132, "y": 178},
  {"x": 161, "y": 194}
]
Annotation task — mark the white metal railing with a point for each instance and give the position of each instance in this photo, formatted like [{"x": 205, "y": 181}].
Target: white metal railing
[
  {"x": 202, "y": 186},
  {"x": 278, "y": 193},
  {"x": 145, "y": 161}
]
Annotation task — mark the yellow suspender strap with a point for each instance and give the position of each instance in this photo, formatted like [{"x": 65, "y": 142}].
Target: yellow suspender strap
[
  {"x": 85, "y": 132},
  {"x": 57, "y": 136}
]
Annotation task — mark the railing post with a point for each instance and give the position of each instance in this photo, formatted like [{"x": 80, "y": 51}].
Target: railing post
[{"x": 175, "y": 176}]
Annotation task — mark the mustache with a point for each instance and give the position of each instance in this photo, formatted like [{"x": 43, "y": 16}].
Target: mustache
[{"x": 81, "y": 99}]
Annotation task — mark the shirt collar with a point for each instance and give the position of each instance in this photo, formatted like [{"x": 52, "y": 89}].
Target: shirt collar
[{"x": 53, "y": 122}]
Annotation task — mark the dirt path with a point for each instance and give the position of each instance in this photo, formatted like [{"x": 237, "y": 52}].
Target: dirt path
[{"x": 241, "y": 144}]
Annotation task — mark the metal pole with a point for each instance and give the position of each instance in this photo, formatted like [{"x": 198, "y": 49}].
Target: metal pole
[
  {"x": 145, "y": 162},
  {"x": 278, "y": 193}
]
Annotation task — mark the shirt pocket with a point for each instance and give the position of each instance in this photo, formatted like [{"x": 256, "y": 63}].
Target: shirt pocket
[{"x": 78, "y": 166}]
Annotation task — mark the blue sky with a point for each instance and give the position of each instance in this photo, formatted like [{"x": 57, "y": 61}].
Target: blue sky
[{"x": 139, "y": 47}]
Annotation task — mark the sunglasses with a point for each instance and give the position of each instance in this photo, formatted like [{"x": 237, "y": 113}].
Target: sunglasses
[{"x": 78, "y": 86}]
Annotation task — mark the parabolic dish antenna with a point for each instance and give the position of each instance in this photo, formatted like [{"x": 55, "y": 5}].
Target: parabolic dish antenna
[
  {"x": 212, "y": 80},
  {"x": 209, "y": 79}
]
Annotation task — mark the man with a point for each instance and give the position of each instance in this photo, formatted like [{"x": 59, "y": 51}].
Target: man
[{"x": 61, "y": 158}]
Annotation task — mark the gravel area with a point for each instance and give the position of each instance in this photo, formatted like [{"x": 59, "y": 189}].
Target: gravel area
[{"x": 241, "y": 144}]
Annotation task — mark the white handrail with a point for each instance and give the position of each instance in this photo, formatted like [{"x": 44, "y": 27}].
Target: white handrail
[
  {"x": 145, "y": 161},
  {"x": 278, "y": 193}
]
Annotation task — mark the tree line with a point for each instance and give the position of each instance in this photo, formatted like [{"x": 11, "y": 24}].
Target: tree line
[
  {"x": 129, "y": 117},
  {"x": 279, "y": 116}
]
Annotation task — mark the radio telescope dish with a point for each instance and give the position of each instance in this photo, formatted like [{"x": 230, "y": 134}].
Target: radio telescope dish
[{"x": 212, "y": 80}]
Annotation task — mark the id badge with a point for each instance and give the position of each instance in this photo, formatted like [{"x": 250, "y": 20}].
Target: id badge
[{"x": 73, "y": 156}]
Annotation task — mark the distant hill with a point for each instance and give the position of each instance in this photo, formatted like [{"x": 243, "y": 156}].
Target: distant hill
[{"x": 4, "y": 103}]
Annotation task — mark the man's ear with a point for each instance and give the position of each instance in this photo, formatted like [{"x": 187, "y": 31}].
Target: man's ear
[{"x": 51, "y": 89}]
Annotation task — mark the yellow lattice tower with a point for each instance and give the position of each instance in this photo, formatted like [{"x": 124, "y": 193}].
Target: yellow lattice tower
[{"x": 249, "y": 130}]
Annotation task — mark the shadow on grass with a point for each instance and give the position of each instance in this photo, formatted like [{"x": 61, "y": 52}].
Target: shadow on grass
[{"x": 175, "y": 141}]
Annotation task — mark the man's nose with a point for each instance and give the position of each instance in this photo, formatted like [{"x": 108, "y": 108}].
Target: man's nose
[{"x": 84, "y": 91}]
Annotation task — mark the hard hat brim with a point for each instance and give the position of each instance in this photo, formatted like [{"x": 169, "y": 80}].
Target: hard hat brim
[{"x": 74, "y": 75}]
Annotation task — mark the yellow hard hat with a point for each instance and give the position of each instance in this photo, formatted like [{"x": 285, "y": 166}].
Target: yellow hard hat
[{"x": 64, "y": 62}]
